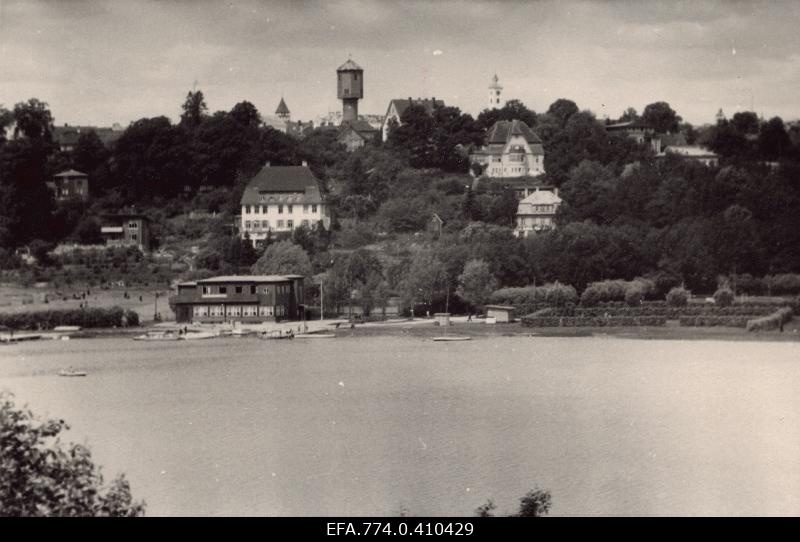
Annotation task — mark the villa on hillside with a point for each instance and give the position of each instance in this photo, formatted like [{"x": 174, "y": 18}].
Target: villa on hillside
[
  {"x": 126, "y": 229},
  {"x": 398, "y": 106},
  {"x": 279, "y": 199},
  {"x": 69, "y": 185},
  {"x": 511, "y": 150},
  {"x": 239, "y": 298},
  {"x": 537, "y": 212}
]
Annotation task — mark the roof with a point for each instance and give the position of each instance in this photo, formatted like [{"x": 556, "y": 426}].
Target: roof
[
  {"x": 629, "y": 125},
  {"x": 282, "y": 109},
  {"x": 282, "y": 184},
  {"x": 503, "y": 130},
  {"x": 541, "y": 197},
  {"x": 401, "y": 104},
  {"x": 246, "y": 278},
  {"x": 361, "y": 126},
  {"x": 672, "y": 140},
  {"x": 70, "y": 173},
  {"x": 349, "y": 66},
  {"x": 68, "y": 135},
  {"x": 690, "y": 151}
]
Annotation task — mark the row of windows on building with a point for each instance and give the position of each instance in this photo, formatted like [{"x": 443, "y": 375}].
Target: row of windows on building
[
  {"x": 535, "y": 221},
  {"x": 264, "y": 224},
  {"x": 239, "y": 310},
  {"x": 543, "y": 208},
  {"x": 223, "y": 290},
  {"x": 264, "y": 209}
]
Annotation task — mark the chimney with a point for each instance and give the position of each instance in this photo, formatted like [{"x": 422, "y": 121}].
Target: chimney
[
  {"x": 266, "y": 164},
  {"x": 555, "y": 192},
  {"x": 305, "y": 164}
]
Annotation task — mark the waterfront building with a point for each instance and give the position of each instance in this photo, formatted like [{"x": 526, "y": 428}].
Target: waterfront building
[
  {"x": 69, "y": 185},
  {"x": 398, "y": 106},
  {"x": 511, "y": 150},
  {"x": 279, "y": 199},
  {"x": 126, "y": 229},
  {"x": 537, "y": 212},
  {"x": 495, "y": 92},
  {"x": 239, "y": 298}
]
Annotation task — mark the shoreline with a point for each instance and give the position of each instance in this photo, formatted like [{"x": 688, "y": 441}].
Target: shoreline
[{"x": 425, "y": 329}]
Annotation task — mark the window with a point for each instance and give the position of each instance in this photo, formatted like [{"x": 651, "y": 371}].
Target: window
[
  {"x": 238, "y": 289},
  {"x": 280, "y": 209},
  {"x": 261, "y": 209},
  {"x": 290, "y": 209},
  {"x": 234, "y": 310},
  {"x": 290, "y": 224},
  {"x": 223, "y": 290},
  {"x": 247, "y": 225},
  {"x": 217, "y": 310},
  {"x": 201, "y": 310},
  {"x": 267, "y": 311},
  {"x": 305, "y": 208},
  {"x": 280, "y": 224},
  {"x": 133, "y": 225},
  {"x": 206, "y": 290},
  {"x": 134, "y": 237},
  {"x": 265, "y": 224},
  {"x": 250, "y": 310},
  {"x": 253, "y": 289},
  {"x": 314, "y": 208}
]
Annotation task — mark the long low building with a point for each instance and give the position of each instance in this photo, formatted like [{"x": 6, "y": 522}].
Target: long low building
[{"x": 239, "y": 298}]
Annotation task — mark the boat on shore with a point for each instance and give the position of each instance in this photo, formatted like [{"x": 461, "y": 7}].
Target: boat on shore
[
  {"x": 453, "y": 338},
  {"x": 20, "y": 337},
  {"x": 66, "y": 328},
  {"x": 197, "y": 335},
  {"x": 71, "y": 372},
  {"x": 276, "y": 335},
  {"x": 158, "y": 336}
]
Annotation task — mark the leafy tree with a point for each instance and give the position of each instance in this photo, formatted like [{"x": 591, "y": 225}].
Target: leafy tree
[
  {"x": 414, "y": 136},
  {"x": 535, "y": 503},
  {"x": 512, "y": 110},
  {"x": 476, "y": 283},
  {"x": 87, "y": 231},
  {"x": 503, "y": 209},
  {"x": 283, "y": 258},
  {"x": 661, "y": 117},
  {"x": 194, "y": 108},
  {"x": 562, "y": 109},
  {"x": 589, "y": 194},
  {"x": 40, "y": 476},
  {"x": 629, "y": 115},
  {"x": 89, "y": 153},
  {"x": 773, "y": 141},
  {"x": 34, "y": 120},
  {"x": 745, "y": 122},
  {"x": 424, "y": 281},
  {"x": 246, "y": 114}
]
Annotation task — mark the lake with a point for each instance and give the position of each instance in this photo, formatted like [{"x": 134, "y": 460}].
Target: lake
[{"x": 376, "y": 425}]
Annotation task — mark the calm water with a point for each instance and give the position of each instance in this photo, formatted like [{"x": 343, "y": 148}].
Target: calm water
[{"x": 372, "y": 425}]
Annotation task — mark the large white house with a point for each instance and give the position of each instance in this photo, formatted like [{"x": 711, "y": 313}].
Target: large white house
[
  {"x": 537, "y": 212},
  {"x": 511, "y": 150},
  {"x": 279, "y": 199}
]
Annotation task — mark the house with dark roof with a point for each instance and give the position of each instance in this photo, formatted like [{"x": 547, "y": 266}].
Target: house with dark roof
[
  {"x": 69, "y": 185},
  {"x": 239, "y": 298},
  {"x": 511, "y": 150},
  {"x": 355, "y": 134},
  {"x": 66, "y": 137},
  {"x": 279, "y": 199},
  {"x": 398, "y": 106}
]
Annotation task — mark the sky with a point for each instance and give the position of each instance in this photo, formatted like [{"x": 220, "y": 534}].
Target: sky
[{"x": 98, "y": 62}]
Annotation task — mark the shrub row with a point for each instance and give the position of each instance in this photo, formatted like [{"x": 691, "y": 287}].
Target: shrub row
[
  {"x": 630, "y": 292},
  {"x": 773, "y": 321},
  {"x": 667, "y": 312},
  {"x": 781, "y": 284},
  {"x": 529, "y": 298},
  {"x": 87, "y": 318},
  {"x": 575, "y": 321},
  {"x": 714, "y": 321}
]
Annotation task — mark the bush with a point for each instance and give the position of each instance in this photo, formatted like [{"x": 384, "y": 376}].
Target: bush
[
  {"x": 634, "y": 296},
  {"x": 723, "y": 297},
  {"x": 678, "y": 297},
  {"x": 40, "y": 476},
  {"x": 87, "y": 318},
  {"x": 530, "y": 298},
  {"x": 773, "y": 321},
  {"x": 631, "y": 292}
]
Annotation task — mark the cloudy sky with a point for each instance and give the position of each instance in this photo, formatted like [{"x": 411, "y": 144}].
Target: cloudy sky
[{"x": 99, "y": 62}]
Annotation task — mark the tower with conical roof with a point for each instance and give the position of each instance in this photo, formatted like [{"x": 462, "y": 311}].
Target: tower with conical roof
[
  {"x": 283, "y": 111},
  {"x": 495, "y": 90},
  {"x": 350, "y": 89}
]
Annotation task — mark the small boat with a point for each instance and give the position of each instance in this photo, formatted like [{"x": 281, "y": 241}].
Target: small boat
[
  {"x": 19, "y": 337},
  {"x": 238, "y": 332},
  {"x": 67, "y": 328},
  {"x": 71, "y": 372},
  {"x": 157, "y": 336},
  {"x": 276, "y": 335},
  {"x": 315, "y": 336},
  {"x": 197, "y": 335},
  {"x": 453, "y": 338}
]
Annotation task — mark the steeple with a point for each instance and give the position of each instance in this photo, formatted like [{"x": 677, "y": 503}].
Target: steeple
[
  {"x": 495, "y": 91},
  {"x": 283, "y": 110}
]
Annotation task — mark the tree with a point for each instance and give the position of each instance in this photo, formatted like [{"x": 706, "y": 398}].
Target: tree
[
  {"x": 629, "y": 115},
  {"x": 283, "y": 258},
  {"x": 194, "y": 108},
  {"x": 40, "y": 476},
  {"x": 773, "y": 141},
  {"x": 745, "y": 122},
  {"x": 424, "y": 280},
  {"x": 87, "y": 231},
  {"x": 535, "y": 503},
  {"x": 661, "y": 117},
  {"x": 562, "y": 109},
  {"x": 33, "y": 120},
  {"x": 246, "y": 114},
  {"x": 476, "y": 283},
  {"x": 89, "y": 152}
]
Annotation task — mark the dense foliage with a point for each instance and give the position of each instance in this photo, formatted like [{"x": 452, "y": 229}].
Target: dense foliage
[
  {"x": 85, "y": 317},
  {"x": 41, "y": 476}
]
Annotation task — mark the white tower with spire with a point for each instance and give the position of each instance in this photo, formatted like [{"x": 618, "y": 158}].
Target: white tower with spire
[{"x": 495, "y": 92}]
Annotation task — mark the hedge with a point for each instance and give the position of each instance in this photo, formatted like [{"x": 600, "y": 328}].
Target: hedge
[
  {"x": 576, "y": 321},
  {"x": 529, "y": 298},
  {"x": 86, "y": 318},
  {"x": 653, "y": 309},
  {"x": 630, "y": 292},
  {"x": 713, "y": 321},
  {"x": 773, "y": 321}
]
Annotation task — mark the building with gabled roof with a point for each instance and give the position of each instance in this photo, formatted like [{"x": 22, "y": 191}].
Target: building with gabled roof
[
  {"x": 357, "y": 133},
  {"x": 69, "y": 185},
  {"x": 279, "y": 199},
  {"x": 537, "y": 212},
  {"x": 511, "y": 150},
  {"x": 398, "y": 106}
]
